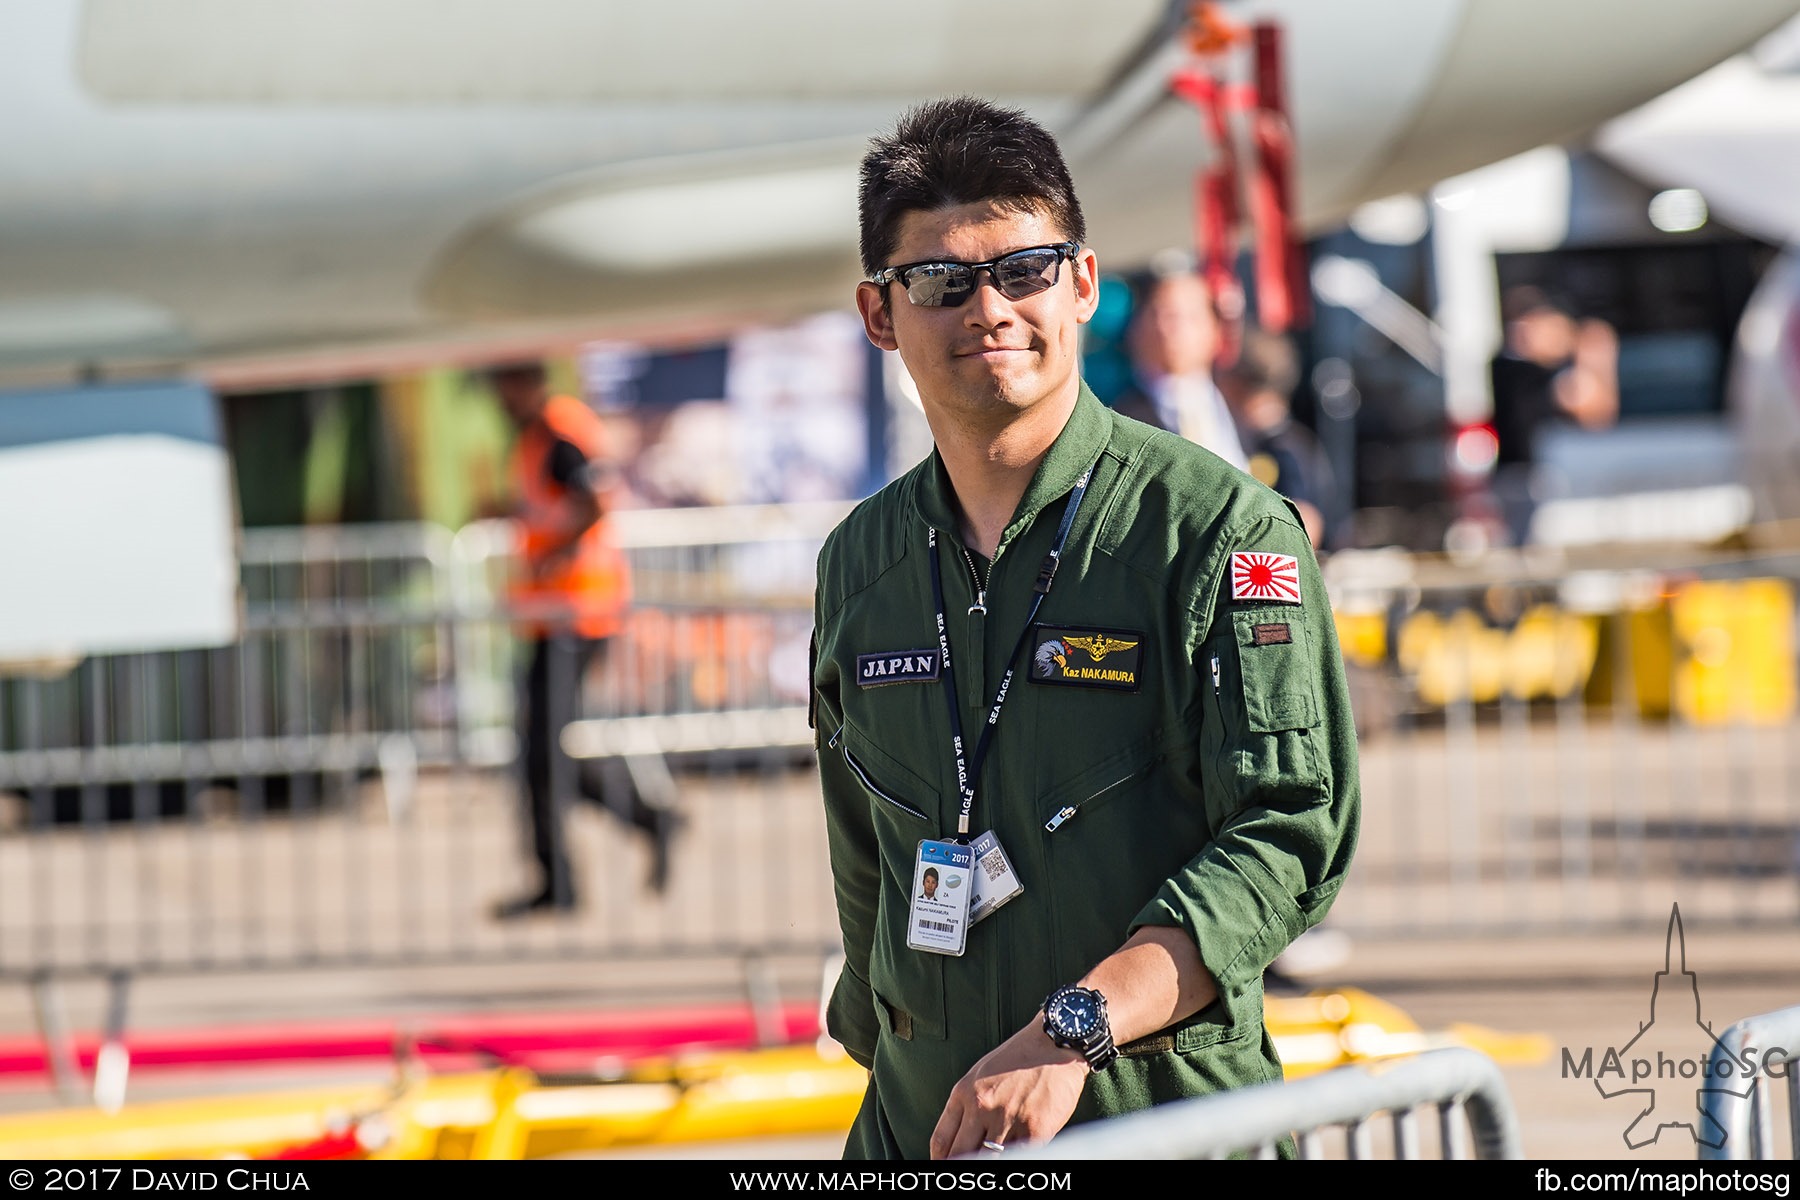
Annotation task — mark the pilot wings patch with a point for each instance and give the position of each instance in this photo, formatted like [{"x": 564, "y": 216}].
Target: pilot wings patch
[{"x": 1099, "y": 646}]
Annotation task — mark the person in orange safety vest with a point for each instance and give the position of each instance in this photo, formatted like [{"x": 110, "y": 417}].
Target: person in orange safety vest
[{"x": 572, "y": 592}]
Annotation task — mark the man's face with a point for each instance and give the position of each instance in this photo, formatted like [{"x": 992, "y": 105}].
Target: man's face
[
  {"x": 990, "y": 358},
  {"x": 1176, "y": 331},
  {"x": 1543, "y": 335},
  {"x": 930, "y": 885}
]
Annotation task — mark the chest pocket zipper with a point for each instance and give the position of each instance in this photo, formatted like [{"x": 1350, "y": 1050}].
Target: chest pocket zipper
[
  {"x": 869, "y": 783},
  {"x": 1069, "y": 810}
]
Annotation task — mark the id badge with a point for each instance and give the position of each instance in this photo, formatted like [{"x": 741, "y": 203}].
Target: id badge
[
  {"x": 995, "y": 881},
  {"x": 938, "y": 918}
]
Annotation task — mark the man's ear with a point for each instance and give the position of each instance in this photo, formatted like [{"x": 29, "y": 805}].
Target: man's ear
[
  {"x": 878, "y": 322},
  {"x": 1086, "y": 269}
]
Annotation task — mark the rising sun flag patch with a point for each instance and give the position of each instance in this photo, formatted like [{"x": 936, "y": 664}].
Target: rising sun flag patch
[{"x": 1258, "y": 576}]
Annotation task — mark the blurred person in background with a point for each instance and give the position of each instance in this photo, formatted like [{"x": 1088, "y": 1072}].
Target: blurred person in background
[
  {"x": 1173, "y": 339},
  {"x": 1283, "y": 453},
  {"x": 568, "y": 562},
  {"x": 1553, "y": 369}
]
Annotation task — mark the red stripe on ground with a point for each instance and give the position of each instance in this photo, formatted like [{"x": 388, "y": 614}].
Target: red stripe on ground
[{"x": 502, "y": 1037}]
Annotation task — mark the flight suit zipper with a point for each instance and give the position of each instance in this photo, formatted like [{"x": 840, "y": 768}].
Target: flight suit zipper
[
  {"x": 880, "y": 794},
  {"x": 978, "y": 626},
  {"x": 868, "y": 781},
  {"x": 980, "y": 605},
  {"x": 972, "y": 666},
  {"x": 1069, "y": 810}
]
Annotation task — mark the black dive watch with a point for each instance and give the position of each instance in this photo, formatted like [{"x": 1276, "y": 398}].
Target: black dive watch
[{"x": 1075, "y": 1019}]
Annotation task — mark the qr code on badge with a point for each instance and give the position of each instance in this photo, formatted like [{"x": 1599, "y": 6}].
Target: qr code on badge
[{"x": 994, "y": 864}]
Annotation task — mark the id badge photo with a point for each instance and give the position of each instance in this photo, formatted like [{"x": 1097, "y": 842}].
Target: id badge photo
[{"x": 937, "y": 919}]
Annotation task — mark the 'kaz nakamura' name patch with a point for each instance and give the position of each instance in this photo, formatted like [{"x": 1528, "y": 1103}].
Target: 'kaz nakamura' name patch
[
  {"x": 897, "y": 666},
  {"x": 1102, "y": 658}
]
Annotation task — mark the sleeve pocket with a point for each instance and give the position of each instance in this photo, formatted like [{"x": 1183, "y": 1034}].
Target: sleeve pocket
[
  {"x": 1276, "y": 669},
  {"x": 1315, "y": 902}
]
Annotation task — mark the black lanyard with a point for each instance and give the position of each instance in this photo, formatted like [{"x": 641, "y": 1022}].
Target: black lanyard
[{"x": 968, "y": 770}]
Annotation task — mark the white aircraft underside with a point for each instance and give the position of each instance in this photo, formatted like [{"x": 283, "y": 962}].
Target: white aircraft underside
[{"x": 264, "y": 188}]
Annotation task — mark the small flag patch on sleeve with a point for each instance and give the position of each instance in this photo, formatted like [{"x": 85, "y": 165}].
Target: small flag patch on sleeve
[{"x": 1259, "y": 576}]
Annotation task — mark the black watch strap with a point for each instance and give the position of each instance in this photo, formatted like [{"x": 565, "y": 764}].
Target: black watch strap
[{"x": 1101, "y": 1054}]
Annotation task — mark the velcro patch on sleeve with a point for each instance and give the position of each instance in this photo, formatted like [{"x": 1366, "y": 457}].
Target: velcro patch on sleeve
[
  {"x": 1275, "y": 633},
  {"x": 1265, "y": 577}
]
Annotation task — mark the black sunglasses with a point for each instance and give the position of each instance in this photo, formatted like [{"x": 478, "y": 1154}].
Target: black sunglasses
[{"x": 947, "y": 284}]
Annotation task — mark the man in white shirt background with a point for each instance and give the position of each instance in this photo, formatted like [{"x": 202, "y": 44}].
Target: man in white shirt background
[{"x": 1173, "y": 339}]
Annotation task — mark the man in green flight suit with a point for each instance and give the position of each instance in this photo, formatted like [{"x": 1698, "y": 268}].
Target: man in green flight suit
[{"x": 1089, "y": 649}]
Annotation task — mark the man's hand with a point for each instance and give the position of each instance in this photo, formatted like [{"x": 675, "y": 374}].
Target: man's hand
[
  {"x": 1588, "y": 389},
  {"x": 1024, "y": 1090},
  {"x": 1027, "y": 1087}
]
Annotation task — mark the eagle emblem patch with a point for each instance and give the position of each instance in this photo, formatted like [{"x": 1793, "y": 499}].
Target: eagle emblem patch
[{"x": 1068, "y": 656}]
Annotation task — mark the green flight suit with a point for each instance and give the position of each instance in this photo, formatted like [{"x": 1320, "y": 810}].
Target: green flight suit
[{"x": 1204, "y": 744}]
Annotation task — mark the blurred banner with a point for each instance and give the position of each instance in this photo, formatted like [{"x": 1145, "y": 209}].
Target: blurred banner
[{"x": 122, "y": 523}]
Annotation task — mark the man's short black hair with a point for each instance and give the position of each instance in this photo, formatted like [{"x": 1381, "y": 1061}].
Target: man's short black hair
[
  {"x": 962, "y": 151},
  {"x": 530, "y": 370},
  {"x": 1525, "y": 298},
  {"x": 930, "y": 873}
]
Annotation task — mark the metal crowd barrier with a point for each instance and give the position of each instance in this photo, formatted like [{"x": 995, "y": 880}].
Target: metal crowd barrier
[
  {"x": 337, "y": 788},
  {"x": 1552, "y": 744},
  {"x": 1463, "y": 1089},
  {"x": 706, "y": 583},
  {"x": 317, "y": 689},
  {"x": 1736, "y": 1102},
  {"x": 1546, "y": 746}
]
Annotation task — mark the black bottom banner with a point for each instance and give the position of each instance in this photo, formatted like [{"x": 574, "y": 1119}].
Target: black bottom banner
[{"x": 775, "y": 1177}]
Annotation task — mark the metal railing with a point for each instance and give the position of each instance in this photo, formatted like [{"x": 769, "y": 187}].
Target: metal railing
[
  {"x": 337, "y": 787},
  {"x": 1462, "y": 1089},
  {"x": 1546, "y": 747},
  {"x": 1553, "y": 746},
  {"x": 1737, "y": 1100}
]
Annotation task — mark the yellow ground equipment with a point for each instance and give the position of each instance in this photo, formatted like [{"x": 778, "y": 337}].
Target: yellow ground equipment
[
  {"x": 1347, "y": 1025},
  {"x": 510, "y": 1113},
  {"x": 1735, "y": 660},
  {"x": 1547, "y": 654},
  {"x": 1709, "y": 651}
]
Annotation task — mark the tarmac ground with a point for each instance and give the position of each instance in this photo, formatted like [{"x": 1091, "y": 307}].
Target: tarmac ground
[
  {"x": 1517, "y": 878},
  {"x": 1582, "y": 992}
]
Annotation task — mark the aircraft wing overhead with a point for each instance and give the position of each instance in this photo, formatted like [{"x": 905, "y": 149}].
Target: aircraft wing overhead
[
  {"x": 255, "y": 180},
  {"x": 1390, "y": 96},
  {"x": 1556, "y": 70},
  {"x": 1731, "y": 131},
  {"x": 440, "y": 52}
]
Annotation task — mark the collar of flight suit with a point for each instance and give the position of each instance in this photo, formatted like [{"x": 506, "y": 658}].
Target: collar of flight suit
[{"x": 1084, "y": 436}]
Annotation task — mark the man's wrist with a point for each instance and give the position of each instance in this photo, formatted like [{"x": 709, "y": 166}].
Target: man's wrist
[{"x": 1058, "y": 1055}]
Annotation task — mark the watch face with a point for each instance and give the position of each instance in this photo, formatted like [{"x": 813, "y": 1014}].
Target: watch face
[{"x": 1075, "y": 1015}]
